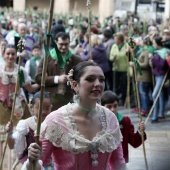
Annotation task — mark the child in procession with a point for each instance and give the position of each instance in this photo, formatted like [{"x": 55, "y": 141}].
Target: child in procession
[
  {"x": 110, "y": 100},
  {"x": 25, "y": 129}
]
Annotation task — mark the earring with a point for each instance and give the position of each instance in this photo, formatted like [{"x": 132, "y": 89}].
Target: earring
[{"x": 76, "y": 97}]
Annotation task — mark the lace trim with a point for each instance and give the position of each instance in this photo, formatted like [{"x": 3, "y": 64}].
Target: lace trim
[
  {"x": 11, "y": 77},
  {"x": 8, "y": 77},
  {"x": 68, "y": 138}
]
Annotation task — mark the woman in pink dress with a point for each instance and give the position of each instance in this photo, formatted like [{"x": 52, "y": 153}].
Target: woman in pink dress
[
  {"x": 81, "y": 135},
  {"x": 8, "y": 78}
]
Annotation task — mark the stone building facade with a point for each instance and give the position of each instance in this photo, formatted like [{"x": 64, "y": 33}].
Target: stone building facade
[{"x": 100, "y": 8}]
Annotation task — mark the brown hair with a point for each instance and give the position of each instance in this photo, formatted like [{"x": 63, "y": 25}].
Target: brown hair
[{"x": 120, "y": 36}]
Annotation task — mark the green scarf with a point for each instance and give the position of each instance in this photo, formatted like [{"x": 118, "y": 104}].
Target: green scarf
[
  {"x": 56, "y": 54},
  {"x": 21, "y": 78},
  {"x": 148, "y": 48},
  {"x": 62, "y": 61},
  {"x": 162, "y": 52},
  {"x": 119, "y": 117},
  {"x": 36, "y": 58},
  {"x": 16, "y": 34},
  {"x": 120, "y": 46}
]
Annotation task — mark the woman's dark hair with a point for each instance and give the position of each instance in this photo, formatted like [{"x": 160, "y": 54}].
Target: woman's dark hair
[
  {"x": 80, "y": 68},
  {"x": 37, "y": 96},
  {"x": 10, "y": 46},
  {"x": 158, "y": 40},
  {"x": 109, "y": 97}
]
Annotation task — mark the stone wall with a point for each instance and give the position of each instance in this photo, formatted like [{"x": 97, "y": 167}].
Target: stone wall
[
  {"x": 19, "y": 5},
  {"x": 41, "y": 4}
]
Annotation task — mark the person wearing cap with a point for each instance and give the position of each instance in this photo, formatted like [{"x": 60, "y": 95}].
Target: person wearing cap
[{"x": 166, "y": 38}]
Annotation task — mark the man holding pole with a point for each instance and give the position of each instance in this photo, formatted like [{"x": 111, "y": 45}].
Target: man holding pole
[{"x": 56, "y": 77}]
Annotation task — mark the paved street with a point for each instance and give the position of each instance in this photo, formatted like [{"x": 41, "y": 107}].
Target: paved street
[{"x": 157, "y": 145}]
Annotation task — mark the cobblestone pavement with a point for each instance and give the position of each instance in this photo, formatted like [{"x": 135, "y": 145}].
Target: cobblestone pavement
[{"x": 157, "y": 145}]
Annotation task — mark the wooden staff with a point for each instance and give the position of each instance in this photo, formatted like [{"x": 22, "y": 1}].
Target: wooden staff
[
  {"x": 132, "y": 44},
  {"x": 79, "y": 28},
  {"x": 89, "y": 26},
  {"x": 117, "y": 26},
  {"x": 20, "y": 49},
  {"x": 43, "y": 79},
  {"x": 160, "y": 89},
  {"x": 127, "y": 102}
]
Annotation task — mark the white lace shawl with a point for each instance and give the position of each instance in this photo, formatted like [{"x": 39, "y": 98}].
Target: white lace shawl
[
  {"x": 4, "y": 75},
  {"x": 60, "y": 129},
  {"x": 22, "y": 130}
]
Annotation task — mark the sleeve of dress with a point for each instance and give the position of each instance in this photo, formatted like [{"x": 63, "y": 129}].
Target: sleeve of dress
[
  {"x": 19, "y": 137},
  {"x": 49, "y": 80},
  {"x": 117, "y": 161},
  {"x": 47, "y": 149},
  {"x": 134, "y": 139},
  {"x": 27, "y": 66}
]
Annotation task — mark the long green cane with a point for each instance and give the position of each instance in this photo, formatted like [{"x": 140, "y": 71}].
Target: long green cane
[
  {"x": 132, "y": 45},
  {"x": 89, "y": 26}
]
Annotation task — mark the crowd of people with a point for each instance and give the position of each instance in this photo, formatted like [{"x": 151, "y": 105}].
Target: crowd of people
[{"x": 86, "y": 80}]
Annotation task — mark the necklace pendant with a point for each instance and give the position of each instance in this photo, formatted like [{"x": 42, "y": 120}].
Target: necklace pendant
[
  {"x": 95, "y": 163},
  {"x": 89, "y": 114},
  {"x": 94, "y": 156}
]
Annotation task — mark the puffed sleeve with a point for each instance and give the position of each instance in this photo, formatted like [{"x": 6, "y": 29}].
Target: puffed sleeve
[
  {"x": 117, "y": 161},
  {"x": 19, "y": 136}
]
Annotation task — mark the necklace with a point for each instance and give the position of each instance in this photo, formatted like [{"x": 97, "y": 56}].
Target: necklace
[{"x": 89, "y": 111}]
